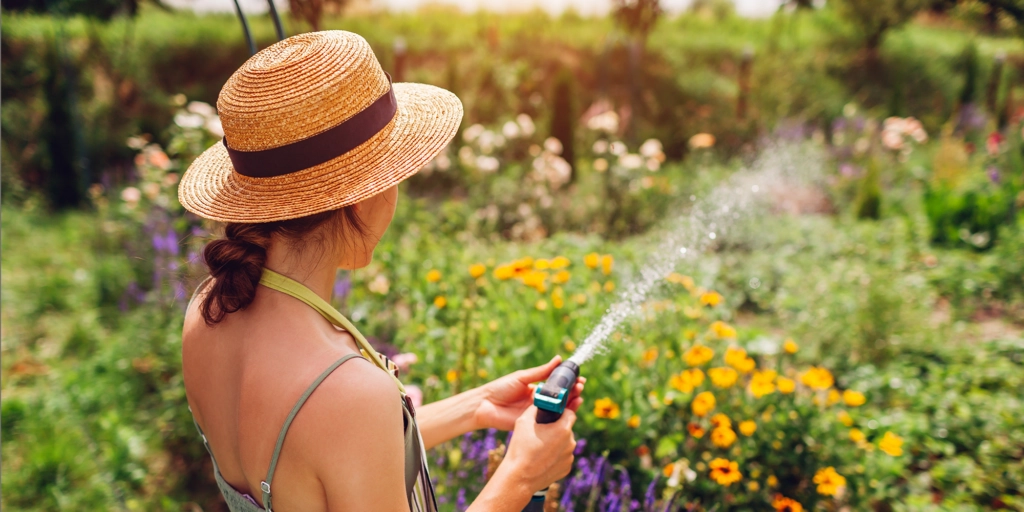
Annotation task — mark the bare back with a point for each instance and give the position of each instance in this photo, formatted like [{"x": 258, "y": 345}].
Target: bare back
[{"x": 243, "y": 375}]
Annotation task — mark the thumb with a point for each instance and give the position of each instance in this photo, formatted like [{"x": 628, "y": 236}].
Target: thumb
[{"x": 541, "y": 372}]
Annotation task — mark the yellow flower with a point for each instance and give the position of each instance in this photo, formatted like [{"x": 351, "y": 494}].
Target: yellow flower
[
  {"x": 606, "y": 408},
  {"x": 833, "y": 397},
  {"x": 606, "y": 264},
  {"x": 761, "y": 383},
  {"x": 695, "y": 430},
  {"x": 560, "y": 262},
  {"x": 710, "y": 298},
  {"x": 829, "y": 482},
  {"x": 692, "y": 312},
  {"x": 784, "y": 504},
  {"x": 844, "y": 418},
  {"x": 790, "y": 346},
  {"x": 720, "y": 420},
  {"x": 522, "y": 263},
  {"x": 592, "y": 260},
  {"x": 561, "y": 277},
  {"x": 570, "y": 346},
  {"x": 857, "y": 436},
  {"x": 753, "y": 486},
  {"x": 477, "y": 269},
  {"x": 703, "y": 403},
  {"x": 609, "y": 286},
  {"x": 748, "y": 428},
  {"x": 536, "y": 280},
  {"x": 580, "y": 298},
  {"x": 452, "y": 375},
  {"x": 817, "y": 378},
  {"x": 433, "y": 276},
  {"x": 440, "y": 302},
  {"x": 891, "y": 444},
  {"x": 786, "y": 386},
  {"x": 686, "y": 380},
  {"x": 541, "y": 305},
  {"x": 723, "y": 437},
  {"x": 772, "y": 481},
  {"x": 737, "y": 358},
  {"x": 558, "y": 297},
  {"x": 698, "y": 355},
  {"x": 633, "y": 421},
  {"x": 723, "y": 377},
  {"x": 725, "y": 472},
  {"x": 723, "y": 330},
  {"x": 677, "y": 278},
  {"x": 542, "y": 264},
  {"x": 504, "y": 272},
  {"x": 853, "y": 398},
  {"x": 650, "y": 355}
]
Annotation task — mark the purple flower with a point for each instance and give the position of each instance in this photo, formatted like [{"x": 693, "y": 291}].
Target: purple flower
[
  {"x": 649, "y": 495},
  {"x": 993, "y": 175},
  {"x": 342, "y": 287},
  {"x": 171, "y": 242},
  {"x": 460, "y": 500},
  {"x": 158, "y": 243},
  {"x": 580, "y": 445},
  {"x": 566, "y": 499}
]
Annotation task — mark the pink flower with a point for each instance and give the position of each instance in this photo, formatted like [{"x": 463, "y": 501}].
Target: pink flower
[
  {"x": 405, "y": 360},
  {"x": 415, "y": 394},
  {"x": 995, "y": 139}
]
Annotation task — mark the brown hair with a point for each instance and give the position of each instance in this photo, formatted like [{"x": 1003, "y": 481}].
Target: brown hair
[{"x": 236, "y": 261}]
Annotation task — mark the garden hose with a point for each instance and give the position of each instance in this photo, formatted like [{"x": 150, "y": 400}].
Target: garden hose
[{"x": 551, "y": 399}]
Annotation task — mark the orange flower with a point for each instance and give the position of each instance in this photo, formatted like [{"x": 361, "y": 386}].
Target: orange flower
[
  {"x": 633, "y": 421},
  {"x": 561, "y": 277},
  {"x": 676, "y": 278},
  {"x": 433, "y": 276},
  {"x": 723, "y": 437},
  {"x": 735, "y": 356},
  {"x": 606, "y": 408},
  {"x": 891, "y": 444},
  {"x": 609, "y": 286},
  {"x": 558, "y": 297},
  {"x": 440, "y": 302},
  {"x": 703, "y": 403},
  {"x": 606, "y": 264},
  {"x": 829, "y": 482},
  {"x": 650, "y": 355},
  {"x": 854, "y": 398},
  {"x": 748, "y": 428},
  {"x": 761, "y": 383},
  {"x": 786, "y": 386},
  {"x": 695, "y": 430},
  {"x": 725, "y": 472},
  {"x": 504, "y": 272},
  {"x": 845, "y": 418},
  {"x": 686, "y": 380},
  {"x": 720, "y": 420},
  {"x": 592, "y": 260},
  {"x": 698, "y": 355},
  {"x": 817, "y": 378},
  {"x": 710, "y": 298},
  {"x": 542, "y": 264},
  {"x": 784, "y": 504},
  {"x": 723, "y": 377},
  {"x": 477, "y": 269},
  {"x": 560, "y": 262},
  {"x": 857, "y": 436},
  {"x": 790, "y": 346},
  {"x": 723, "y": 330}
]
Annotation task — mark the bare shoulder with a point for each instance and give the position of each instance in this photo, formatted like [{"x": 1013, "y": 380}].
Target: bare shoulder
[{"x": 355, "y": 394}]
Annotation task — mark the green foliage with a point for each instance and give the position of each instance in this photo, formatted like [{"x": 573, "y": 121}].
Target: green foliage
[{"x": 873, "y": 19}]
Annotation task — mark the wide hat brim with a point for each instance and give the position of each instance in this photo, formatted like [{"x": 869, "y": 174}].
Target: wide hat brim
[{"x": 426, "y": 120}]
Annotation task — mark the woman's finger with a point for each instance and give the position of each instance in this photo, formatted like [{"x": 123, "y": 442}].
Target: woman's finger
[
  {"x": 575, "y": 403},
  {"x": 538, "y": 373}
]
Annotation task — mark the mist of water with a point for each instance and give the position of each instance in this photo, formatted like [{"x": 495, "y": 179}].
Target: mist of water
[{"x": 747, "y": 194}]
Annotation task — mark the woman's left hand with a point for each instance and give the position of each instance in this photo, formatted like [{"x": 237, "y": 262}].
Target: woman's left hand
[{"x": 506, "y": 398}]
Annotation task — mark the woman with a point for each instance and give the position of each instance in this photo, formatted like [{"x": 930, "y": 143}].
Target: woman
[{"x": 298, "y": 412}]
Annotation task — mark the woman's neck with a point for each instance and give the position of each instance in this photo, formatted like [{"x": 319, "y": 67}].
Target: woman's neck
[{"x": 315, "y": 271}]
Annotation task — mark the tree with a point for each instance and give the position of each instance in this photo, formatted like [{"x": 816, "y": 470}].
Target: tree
[
  {"x": 873, "y": 18},
  {"x": 311, "y": 11},
  {"x": 637, "y": 17}
]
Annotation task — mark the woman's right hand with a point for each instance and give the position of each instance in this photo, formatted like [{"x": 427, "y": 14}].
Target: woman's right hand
[{"x": 540, "y": 454}]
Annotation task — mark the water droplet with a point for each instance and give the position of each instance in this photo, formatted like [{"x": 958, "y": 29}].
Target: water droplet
[
  {"x": 711, "y": 235},
  {"x": 682, "y": 250}
]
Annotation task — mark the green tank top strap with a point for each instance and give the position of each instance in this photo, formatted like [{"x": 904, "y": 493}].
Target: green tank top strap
[
  {"x": 265, "y": 484},
  {"x": 283, "y": 284}
]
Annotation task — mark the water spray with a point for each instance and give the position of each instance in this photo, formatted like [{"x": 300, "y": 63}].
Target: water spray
[{"x": 727, "y": 204}]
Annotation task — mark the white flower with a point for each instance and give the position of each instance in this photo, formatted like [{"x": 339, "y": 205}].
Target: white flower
[
  {"x": 607, "y": 122},
  {"x": 631, "y": 161},
  {"x": 442, "y": 162},
  {"x": 188, "y": 120},
  {"x": 214, "y": 126},
  {"x": 472, "y": 132},
  {"x": 553, "y": 145},
  {"x": 131, "y": 195},
  {"x": 600, "y": 146},
  {"x": 487, "y": 163},
  {"x": 617, "y": 148},
  {"x": 526, "y": 126},
  {"x": 650, "y": 148},
  {"x": 510, "y": 130},
  {"x": 203, "y": 109},
  {"x": 486, "y": 141},
  {"x": 892, "y": 139},
  {"x": 136, "y": 143}
]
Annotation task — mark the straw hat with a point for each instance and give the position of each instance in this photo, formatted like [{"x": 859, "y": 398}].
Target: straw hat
[{"x": 312, "y": 124}]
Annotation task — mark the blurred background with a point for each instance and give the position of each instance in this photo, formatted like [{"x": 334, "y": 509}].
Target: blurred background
[{"x": 845, "y": 334}]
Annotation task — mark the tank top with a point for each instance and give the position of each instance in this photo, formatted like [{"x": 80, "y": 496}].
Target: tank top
[{"x": 418, "y": 487}]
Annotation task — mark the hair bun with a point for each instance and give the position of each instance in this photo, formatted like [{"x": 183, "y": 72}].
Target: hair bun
[{"x": 236, "y": 264}]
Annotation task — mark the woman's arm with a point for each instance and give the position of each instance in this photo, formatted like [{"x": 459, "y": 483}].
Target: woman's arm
[{"x": 496, "y": 404}]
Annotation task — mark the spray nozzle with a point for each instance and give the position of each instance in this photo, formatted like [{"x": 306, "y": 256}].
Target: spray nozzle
[{"x": 552, "y": 397}]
